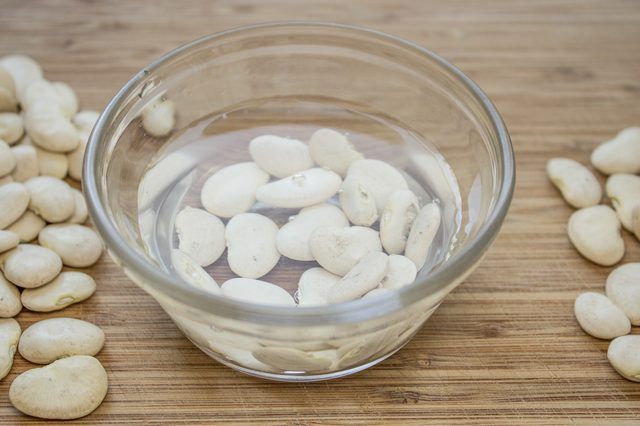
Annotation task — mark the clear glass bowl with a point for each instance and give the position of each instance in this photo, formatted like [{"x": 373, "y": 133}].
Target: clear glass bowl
[{"x": 276, "y": 67}]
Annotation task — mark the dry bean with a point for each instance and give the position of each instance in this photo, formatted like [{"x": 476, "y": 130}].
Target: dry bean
[
  {"x": 598, "y": 316},
  {"x": 595, "y": 233},
  {"x": 303, "y": 189},
  {"x": 85, "y": 120},
  {"x": 290, "y": 359},
  {"x": 11, "y": 127},
  {"x": 339, "y": 249},
  {"x": 332, "y": 150},
  {"x": 232, "y": 190},
  {"x": 54, "y": 338},
  {"x": 200, "y": 235},
  {"x": 30, "y": 266},
  {"x": 51, "y": 198},
  {"x": 14, "y": 199},
  {"x": 53, "y": 164},
  {"x": 80, "y": 212},
  {"x": 66, "y": 289},
  {"x": 280, "y": 157},
  {"x": 423, "y": 231},
  {"x": 578, "y": 185},
  {"x": 624, "y": 192},
  {"x": 402, "y": 272},
  {"x": 50, "y": 128},
  {"x": 364, "y": 277},
  {"x": 26, "y": 163},
  {"x": 357, "y": 202},
  {"x": 10, "y": 305},
  {"x": 57, "y": 93},
  {"x": 27, "y": 227},
  {"x": 397, "y": 219},
  {"x": 623, "y": 288},
  {"x": 77, "y": 245},
  {"x": 8, "y": 240},
  {"x": 380, "y": 178},
  {"x": 7, "y": 160},
  {"x": 22, "y": 69},
  {"x": 69, "y": 388},
  {"x": 624, "y": 356},
  {"x": 251, "y": 244},
  {"x": 159, "y": 117},
  {"x": 192, "y": 273},
  {"x": 620, "y": 154},
  {"x": 292, "y": 240},
  {"x": 9, "y": 336},
  {"x": 76, "y": 157},
  {"x": 256, "y": 291},
  {"x": 314, "y": 285}
]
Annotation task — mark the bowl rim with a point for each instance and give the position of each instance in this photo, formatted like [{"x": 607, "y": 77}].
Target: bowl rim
[{"x": 354, "y": 311}]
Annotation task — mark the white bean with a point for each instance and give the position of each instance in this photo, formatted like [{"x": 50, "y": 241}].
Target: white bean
[
  {"x": 303, "y": 189},
  {"x": 376, "y": 292},
  {"x": 14, "y": 199},
  {"x": 332, "y": 150},
  {"x": 623, "y": 288},
  {"x": 339, "y": 249},
  {"x": 290, "y": 359},
  {"x": 232, "y": 190},
  {"x": 159, "y": 117},
  {"x": 27, "y": 227},
  {"x": 8, "y": 100},
  {"x": 380, "y": 178},
  {"x": 624, "y": 356},
  {"x": 624, "y": 192},
  {"x": 53, "y": 164},
  {"x": 57, "y": 93},
  {"x": 11, "y": 127},
  {"x": 50, "y": 128},
  {"x": 314, "y": 285},
  {"x": 9, "y": 335},
  {"x": 251, "y": 244},
  {"x": 422, "y": 233},
  {"x": 30, "y": 266},
  {"x": 66, "y": 289},
  {"x": 192, "y": 273},
  {"x": 85, "y": 120},
  {"x": 77, "y": 245},
  {"x": 51, "y": 198},
  {"x": 7, "y": 160},
  {"x": 595, "y": 233},
  {"x": 22, "y": 69},
  {"x": 54, "y": 338},
  {"x": 292, "y": 240},
  {"x": 256, "y": 291},
  {"x": 280, "y": 157},
  {"x": 8, "y": 240},
  {"x": 578, "y": 185},
  {"x": 598, "y": 316},
  {"x": 402, "y": 272},
  {"x": 69, "y": 388},
  {"x": 26, "y": 163},
  {"x": 364, "y": 277},
  {"x": 357, "y": 202},
  {"x": 620, "y": 154},
  {"x": 10, "y": 305},
  {"x": 397, "y": 219},
  {"x": 76, "y": 157},
  {"x": 80, "y": 212},
  {"x": 200, "y": 235}
]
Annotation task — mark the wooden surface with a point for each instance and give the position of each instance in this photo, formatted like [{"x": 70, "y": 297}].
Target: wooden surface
[{"x": 504, "y": 347}]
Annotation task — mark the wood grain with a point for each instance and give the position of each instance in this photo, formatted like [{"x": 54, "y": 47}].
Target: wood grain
[{"x": 504, "y": 348}]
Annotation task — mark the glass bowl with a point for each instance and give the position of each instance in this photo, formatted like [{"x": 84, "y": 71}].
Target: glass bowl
[{"x": 294, "y": 77}]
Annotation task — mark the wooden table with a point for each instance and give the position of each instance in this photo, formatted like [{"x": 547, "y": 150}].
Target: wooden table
[{"x": 504, "y": 347}]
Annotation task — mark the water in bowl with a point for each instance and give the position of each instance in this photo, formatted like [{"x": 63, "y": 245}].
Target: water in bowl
[{"x": 174, "y": 180}]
